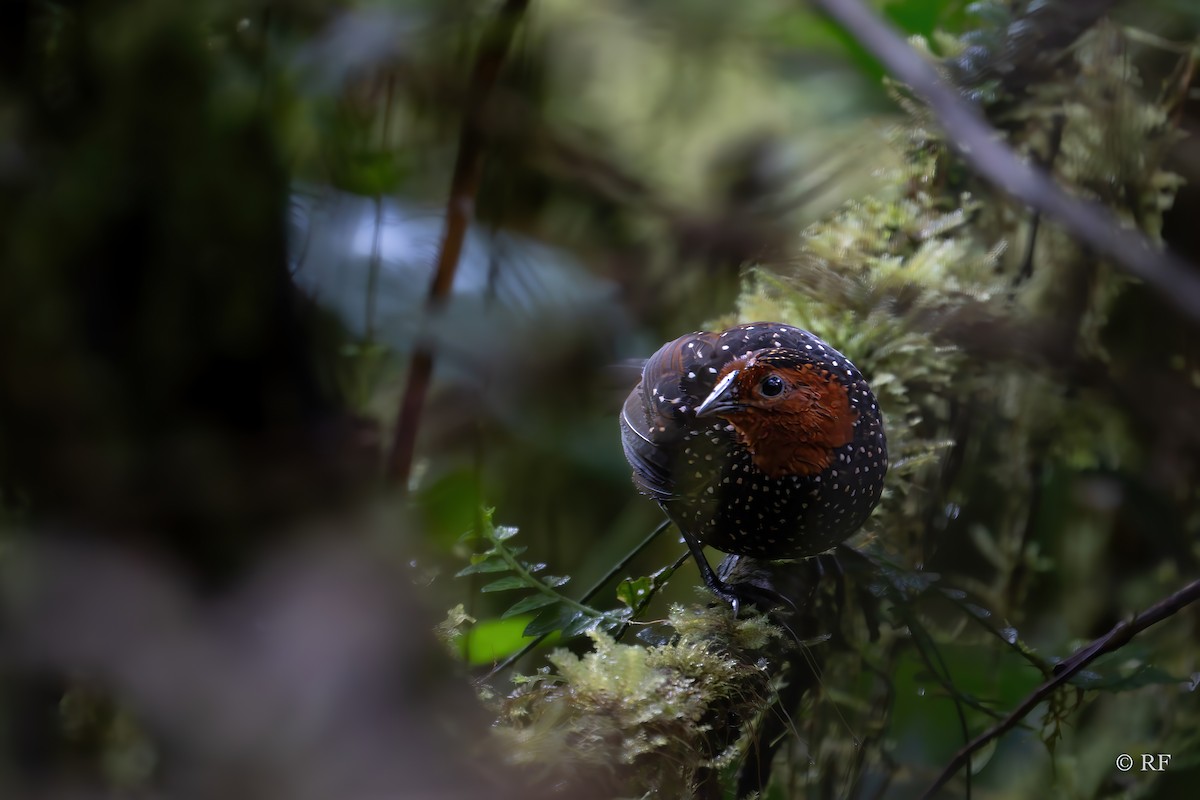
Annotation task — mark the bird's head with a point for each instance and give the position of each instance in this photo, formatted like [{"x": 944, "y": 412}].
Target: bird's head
[{"x": 788, "y": 412}]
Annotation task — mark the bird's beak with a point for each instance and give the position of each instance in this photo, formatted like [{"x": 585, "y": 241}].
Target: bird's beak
[{"x": 721, "y": 399}]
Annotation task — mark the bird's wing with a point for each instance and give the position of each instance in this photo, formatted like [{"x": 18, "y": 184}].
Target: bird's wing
[
  {"x": 680, "y": 375},
  {"x": 657, "y": 414},
  {"x": 651, "y": 460}
]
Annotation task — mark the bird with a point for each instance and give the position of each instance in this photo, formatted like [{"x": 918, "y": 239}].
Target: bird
[{"x": 761, "y": 440}]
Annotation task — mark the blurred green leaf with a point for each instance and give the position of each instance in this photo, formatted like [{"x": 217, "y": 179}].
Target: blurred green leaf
[
  {"x": 371, "y": 173},
  {"x": 493, "y": 639}
]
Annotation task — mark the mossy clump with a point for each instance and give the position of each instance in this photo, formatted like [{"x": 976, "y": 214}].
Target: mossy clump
[{"x": 647, "y": 719}]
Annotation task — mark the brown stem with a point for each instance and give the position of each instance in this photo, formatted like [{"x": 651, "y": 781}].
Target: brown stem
[
  {"x": 980, "y": 146},
  {"x": 1121, "y": 634},
  {"x": 464, "y": 186}
]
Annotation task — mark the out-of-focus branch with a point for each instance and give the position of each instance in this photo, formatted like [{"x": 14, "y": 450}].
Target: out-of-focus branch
[
  {"x": 1121, "y": 634},
  {"x": 979, "y": 145},
  {"x": 464, "y": 186}
]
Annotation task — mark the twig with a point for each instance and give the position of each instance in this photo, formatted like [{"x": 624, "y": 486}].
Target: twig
[
  {"x": 941, "y": 673},
  {"x": 979, "y": 145},
  {"x": 464, "y": 186},
  {"x": 1121, "y": 634}
]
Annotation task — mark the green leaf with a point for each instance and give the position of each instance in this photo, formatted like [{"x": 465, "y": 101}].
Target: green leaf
[
  {"x": 556, "y": 611},
  {"x": 503, "y": 532},
  {"x": 634, "y": 592},
  {"x": 554, "y": 618},
  {"x": 614, "y": 619},
  {"x": 530, "y": 603},
  {"x": 505, "y": 584},
  {"x": 489, "y": 564},
  {"x": 579, "y": 623}
]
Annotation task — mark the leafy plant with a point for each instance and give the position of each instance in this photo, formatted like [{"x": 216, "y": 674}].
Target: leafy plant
[{"x": 555, "y": 610}]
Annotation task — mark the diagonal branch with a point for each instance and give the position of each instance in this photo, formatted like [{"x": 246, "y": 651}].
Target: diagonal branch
[
  {"x": 1121, "y": 634},
  {"x": 464, "y": 186},
  {"x": 979, "y": 145}
]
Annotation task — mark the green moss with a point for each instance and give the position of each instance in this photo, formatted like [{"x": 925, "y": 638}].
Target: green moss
[{"x": 644, "y": 716}]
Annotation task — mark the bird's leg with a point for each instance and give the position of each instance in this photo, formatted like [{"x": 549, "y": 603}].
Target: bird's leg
[
  {"x": 827, "y": 564},
  {"x": 860, "y": 566},
  {"x": 714, "y": 584},
  {"x": 737, "y": 593}
]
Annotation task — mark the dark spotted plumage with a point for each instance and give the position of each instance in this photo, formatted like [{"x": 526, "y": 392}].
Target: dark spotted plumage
[{"x": 829, "y": 457}]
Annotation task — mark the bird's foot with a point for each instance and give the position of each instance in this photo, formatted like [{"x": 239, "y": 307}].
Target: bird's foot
[
  {"x": 740, "y": 594},
  {"x": 736, "y": 594}
]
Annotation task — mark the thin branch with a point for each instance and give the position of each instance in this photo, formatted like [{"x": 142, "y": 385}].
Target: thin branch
[
  {"x": 980, "y": 146},
  {"x": 1118, "y": 637},
  {"x": 464, "y": 187},
  {"x": 941, "y": 673}
]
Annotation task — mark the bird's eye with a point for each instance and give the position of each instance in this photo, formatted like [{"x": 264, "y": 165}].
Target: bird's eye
[{"x": 771, "y": 386}]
